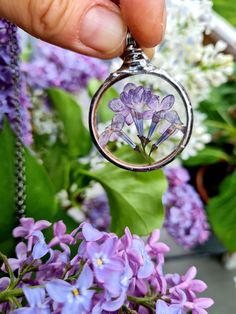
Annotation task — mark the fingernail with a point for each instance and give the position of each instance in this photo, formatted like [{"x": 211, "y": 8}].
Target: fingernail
[{"x": 102, "y": 29}]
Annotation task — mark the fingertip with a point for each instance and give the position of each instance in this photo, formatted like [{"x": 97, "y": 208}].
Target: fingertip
[{"x": 146, "y": 20}]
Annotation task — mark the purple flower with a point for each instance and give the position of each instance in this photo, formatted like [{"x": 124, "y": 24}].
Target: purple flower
[
  {"x": 113, "y": 131},
  {"x": 105, "y": 260},
  {"x": 40, "y": 248},
  {"x": 60, "y": 236},
  {"x": 172, "y": 126},
  {"x": 163, "y": 308},
  {"x": 52, "y": 66},
  {"x": 7, "y": 102},
  {"x": 136, "y": 104},
  {"x": 36, "y": 299},
  {"x": 75, "y": 298},
  {"x": 141, "y": 261},
  {"x": 21, "y": 254},
  {"x": 28, "y": 227},
  {"x": 97, "y": 211},
  {"x": 185, "y": 218},
  {"x": 161, "y": 109},
  {"x": 176, "y": 176}
]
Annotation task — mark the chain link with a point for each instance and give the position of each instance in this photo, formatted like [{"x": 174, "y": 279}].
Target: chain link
[{"x": 20, "y": 176}]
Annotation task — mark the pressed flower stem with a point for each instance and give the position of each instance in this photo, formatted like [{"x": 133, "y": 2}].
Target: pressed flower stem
[{"x": 127, "y": 310}]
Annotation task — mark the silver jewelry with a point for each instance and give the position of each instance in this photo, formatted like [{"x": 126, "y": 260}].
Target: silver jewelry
[{"x": 162, "y": 120}]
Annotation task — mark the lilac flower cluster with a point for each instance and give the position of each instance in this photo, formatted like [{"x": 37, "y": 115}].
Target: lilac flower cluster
[
  {"x": 136, "y": 104},
  {"x": 52, "y": 66},
  {"x": 7, "y": 85},
  {"x": 185, "y": 219},
  {"x": 107, "y": 274},
  {"x": 97, "y": 212}
]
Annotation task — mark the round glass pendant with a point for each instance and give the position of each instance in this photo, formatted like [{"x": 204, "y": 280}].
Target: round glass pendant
[{"x": 150, "y": 114}]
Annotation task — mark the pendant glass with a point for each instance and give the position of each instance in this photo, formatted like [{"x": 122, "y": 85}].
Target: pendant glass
[{"x": 148, "y": 124}]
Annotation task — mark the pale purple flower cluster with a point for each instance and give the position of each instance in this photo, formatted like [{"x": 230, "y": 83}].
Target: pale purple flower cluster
[
  {"x": 97, "y": 211},
  {"x": 185, "y": 218},
  {"x": 7, "y": 93},
  {"x": 52, "y": 66},
  {"x": 107, "y": 274},
  {"x": 135, "y": 105}
]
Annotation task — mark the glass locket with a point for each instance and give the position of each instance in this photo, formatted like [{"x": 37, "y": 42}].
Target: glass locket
[{"x": 150, "y": 114}]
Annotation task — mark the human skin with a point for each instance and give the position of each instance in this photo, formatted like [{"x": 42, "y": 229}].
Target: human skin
[{"x": 95, "y": 28}]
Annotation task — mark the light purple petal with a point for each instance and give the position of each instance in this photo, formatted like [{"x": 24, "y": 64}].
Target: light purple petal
[
  {"x": 27, "y": 223},
  {"x": 20, "y": 232},
  {"x": 4, "y": 283},
  {"x": 41, "y": 224},
  {"x": 90, "y": 233},
  {"x": 92, "y": 249},
  {"x": 146, "y": 270},
  {"x": 21, "y": 251},
  {"x": 104, "y": 138},
  {"x": 34, "y": 296},
  {"x": 109, "y": 246},
  {"x": 205, "y": 303},
  {"x": 162, "y": 307},
  {"x": 167, "y": 102},
  {"x": 59, "y": 228},
  {"x": 197, "y": 286},
  {"x": 14, "y": 264},
  {"x": 190, "y": 274},
  {"x": 72, "y": 308},
  {"x": 129, "y": 119},
  {"x": 85, "y": 279},
  {"x": 153, "y": 102},
  {"x": 116, "y": 105},
  {"x": 116, "y": 304},
  {"x": 172, "y": 117},
  {"x": 147, "y": 115},
  {"x": 26, "y": 310},
  {"x": 129, "y": 86},
  {"x": 58, "y": 290},
  {"x": 117, "y": 122},
  {"x": 40, "y": 249}
]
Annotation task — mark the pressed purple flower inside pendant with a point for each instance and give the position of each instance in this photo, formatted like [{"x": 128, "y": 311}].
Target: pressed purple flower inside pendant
[{"x": 135, "y": 125}]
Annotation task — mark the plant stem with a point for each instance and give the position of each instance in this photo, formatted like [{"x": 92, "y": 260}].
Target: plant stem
[
  {"x": 9, "y": 293},
  {"x": 8, "y": 267}
]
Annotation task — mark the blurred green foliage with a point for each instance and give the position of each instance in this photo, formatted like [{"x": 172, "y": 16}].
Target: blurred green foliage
[{"x": 227, "y": 9}]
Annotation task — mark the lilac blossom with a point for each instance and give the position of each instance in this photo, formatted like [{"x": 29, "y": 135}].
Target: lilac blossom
[
  {"x": 97, "y": 211},
  {"x": 162, "y": 108},
  {"x": 36, "y": 299},
  {"x": 7, "y": 106},
  {"x": 52, "y": 66},
  {"x": 76, "y": 298},
  {"x": 185, "y": 218},
  {"x": 135, "y": 105},
  {"x": 106, "y": 275}
]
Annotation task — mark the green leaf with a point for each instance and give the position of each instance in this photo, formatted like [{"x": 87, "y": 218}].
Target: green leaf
[
  {"x": 222, "y": 213},
  {"x": 7, "y": 189},
  {"x": 40, "y": 194},
  {"x": 207, "y": 156},
  {"x": 77, "y": 138},
  {"x": 105, "y": 114},
  {"x": 58, "y": 166},
  {"x": 40, "y": 201},
  {"x": 135, "y": 198}
]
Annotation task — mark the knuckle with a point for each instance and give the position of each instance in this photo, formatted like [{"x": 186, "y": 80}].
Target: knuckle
[{"x": 48, "y": 17}]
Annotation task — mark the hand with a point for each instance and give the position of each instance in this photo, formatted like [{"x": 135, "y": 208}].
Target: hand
[{"x": 93, "y": 27}]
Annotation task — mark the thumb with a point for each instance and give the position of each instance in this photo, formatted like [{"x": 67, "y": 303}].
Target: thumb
[{"x": 91, "y": 27}]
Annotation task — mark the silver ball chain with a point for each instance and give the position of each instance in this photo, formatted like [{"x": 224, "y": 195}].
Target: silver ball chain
[{"x": 20, "y": 176}]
